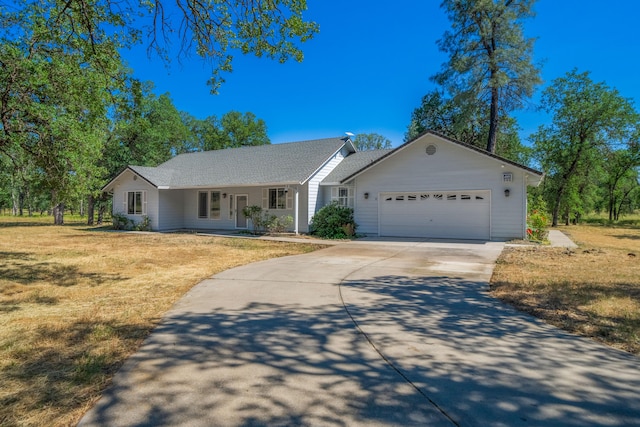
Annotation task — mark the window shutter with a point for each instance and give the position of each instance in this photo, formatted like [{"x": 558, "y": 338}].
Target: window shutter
[
  {"x": 290, "y": 199},
  {"x": 125, "y": 198},
  {"x": 144, "y": 203},
  {"x": 265, "y": 198},
  {"x": 334, "y": 194}
]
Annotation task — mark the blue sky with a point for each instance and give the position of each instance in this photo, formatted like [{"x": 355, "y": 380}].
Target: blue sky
[{"x": 369, "y": 66}]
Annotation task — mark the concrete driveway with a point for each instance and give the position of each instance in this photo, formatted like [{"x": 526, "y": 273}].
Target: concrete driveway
[{"x": 371, "y": 333}]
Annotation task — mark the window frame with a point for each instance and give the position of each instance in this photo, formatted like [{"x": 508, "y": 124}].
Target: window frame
[
  {"x": 133, "y": 198},
  {"x": 277, "y": 198},
  {"x": 207, "y": 204},
  {"x": 343, "y": 200}
]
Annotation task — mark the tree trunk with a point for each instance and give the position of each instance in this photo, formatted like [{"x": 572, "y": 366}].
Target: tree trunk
[
  {"x": 622, "y": 199},
  {"x": 21, "y": 203},
  {"x": 102, "y": 207},
  {"x": 611, "y": 207},
  {"x": 493, "y": 122},
  {"x": 58, "y": 214},
  {"x": 101, "y": 210},
  {"x": 14, "y": 200},
  {"x": 91, "y": 204},
  {"x": 556, "y": 207}
]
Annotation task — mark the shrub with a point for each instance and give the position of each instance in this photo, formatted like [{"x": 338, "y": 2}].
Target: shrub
[
  {"x": 537, "y": 219},
  {"x": 265, "y": 221},
  {"x": 121, "y": 222},
  {"x": 275, "y": 224},
  {"x": 334, "y": 222},
  {"x": 144, "y": 224},
  {"x": 254, "y": 213}
]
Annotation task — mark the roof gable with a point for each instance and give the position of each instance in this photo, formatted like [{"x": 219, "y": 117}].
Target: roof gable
[
  {"x": 532, "y": 173},
  {"x": 352, "y": 164}
]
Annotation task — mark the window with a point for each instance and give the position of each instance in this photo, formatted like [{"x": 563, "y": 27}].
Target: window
[
  {"x": 209, "y": 205},
  {"x": 136, "y": 202},
  {"x": 202, "y": 204},
  {"x": 215, "y": 205},
  {"x": 276, "y": 198},
  {"x": 342, "y": 195}
]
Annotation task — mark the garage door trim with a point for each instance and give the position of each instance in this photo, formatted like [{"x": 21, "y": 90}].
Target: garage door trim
[{"x": 435, "y": 214}]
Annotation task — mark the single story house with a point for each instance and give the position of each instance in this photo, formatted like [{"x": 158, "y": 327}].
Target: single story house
[{"x": 432, "y": 186}]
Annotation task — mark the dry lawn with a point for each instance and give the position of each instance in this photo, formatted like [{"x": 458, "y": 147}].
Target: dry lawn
[
  {"x": 592, "y": 291},
  {"x": 75, "y": 302}
]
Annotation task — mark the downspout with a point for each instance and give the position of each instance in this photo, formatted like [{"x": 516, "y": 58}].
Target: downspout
[{"x": 525, "y": 205}]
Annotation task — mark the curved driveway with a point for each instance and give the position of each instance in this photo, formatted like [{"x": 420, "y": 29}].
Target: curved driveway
[{"x": 367, "y": 333}]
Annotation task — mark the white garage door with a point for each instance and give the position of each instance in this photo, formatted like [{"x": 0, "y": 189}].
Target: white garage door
[{"x": 437, "y": 214}]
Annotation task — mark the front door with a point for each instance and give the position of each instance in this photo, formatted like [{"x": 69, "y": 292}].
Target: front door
[{"x": 241, "y": 203}]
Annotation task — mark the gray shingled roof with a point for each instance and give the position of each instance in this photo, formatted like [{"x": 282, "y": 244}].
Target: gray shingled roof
[
  {"x": 352, "y": 164},
  {"x": 293, "y": 162}
]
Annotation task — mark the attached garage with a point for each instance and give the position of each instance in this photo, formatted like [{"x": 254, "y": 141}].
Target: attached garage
[
  {"x": 436, "y": 214},
  {"x": 435, "y": 187}
]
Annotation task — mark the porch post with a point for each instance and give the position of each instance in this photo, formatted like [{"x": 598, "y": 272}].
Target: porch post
[{"x": 295, "y": 212}]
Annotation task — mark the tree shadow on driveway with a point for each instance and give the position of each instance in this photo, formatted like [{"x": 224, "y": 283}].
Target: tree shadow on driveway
[
  {"x": 484, "y": 363},
  {"x": 261, "y": 365}
]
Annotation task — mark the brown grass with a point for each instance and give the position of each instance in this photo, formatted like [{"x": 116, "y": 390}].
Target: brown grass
[
  {"x": 592, "y": 291},
  {"x": 76, "y": 302}
]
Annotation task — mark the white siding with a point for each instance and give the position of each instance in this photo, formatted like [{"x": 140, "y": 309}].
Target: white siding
[
  {"x": 129, "y": 182},
  {"x": 452, "y": 168},
  {"x": 315, "y": 201},
  {"x": 190, "y": 208},
  {"x": 171, "y": 205},
  {"x": 304, "y": 209}
]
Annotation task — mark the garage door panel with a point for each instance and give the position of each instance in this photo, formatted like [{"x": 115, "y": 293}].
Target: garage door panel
[{"x": 437, "y": 214}]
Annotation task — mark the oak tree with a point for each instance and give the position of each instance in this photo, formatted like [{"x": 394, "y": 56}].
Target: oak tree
[
  {"x": 587, "y": 119},
  {"x": 371, "y": 141}
]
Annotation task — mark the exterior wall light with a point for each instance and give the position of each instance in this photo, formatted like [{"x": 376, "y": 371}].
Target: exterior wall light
[
  {"x": 506, "y": 192},
  {"x": 366, "y": 195},
  {"x": 224, "y": 195}
]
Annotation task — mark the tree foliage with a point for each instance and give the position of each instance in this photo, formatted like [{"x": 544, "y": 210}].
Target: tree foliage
[
  {"x": 213, "y": 30},
  {"x": 69, "y": 114},
  {"x": 371, "y": 141},
  {"x": 490, "y": 67},
  {"x": 147, "y": 129},
  {"x": 589, "y": 120},
  {"x": 53, "y": 97},
  {"x": 441, "y": 114},
  {"x": 620, "y": 180},
  {"x": 232, "y": 130}
]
